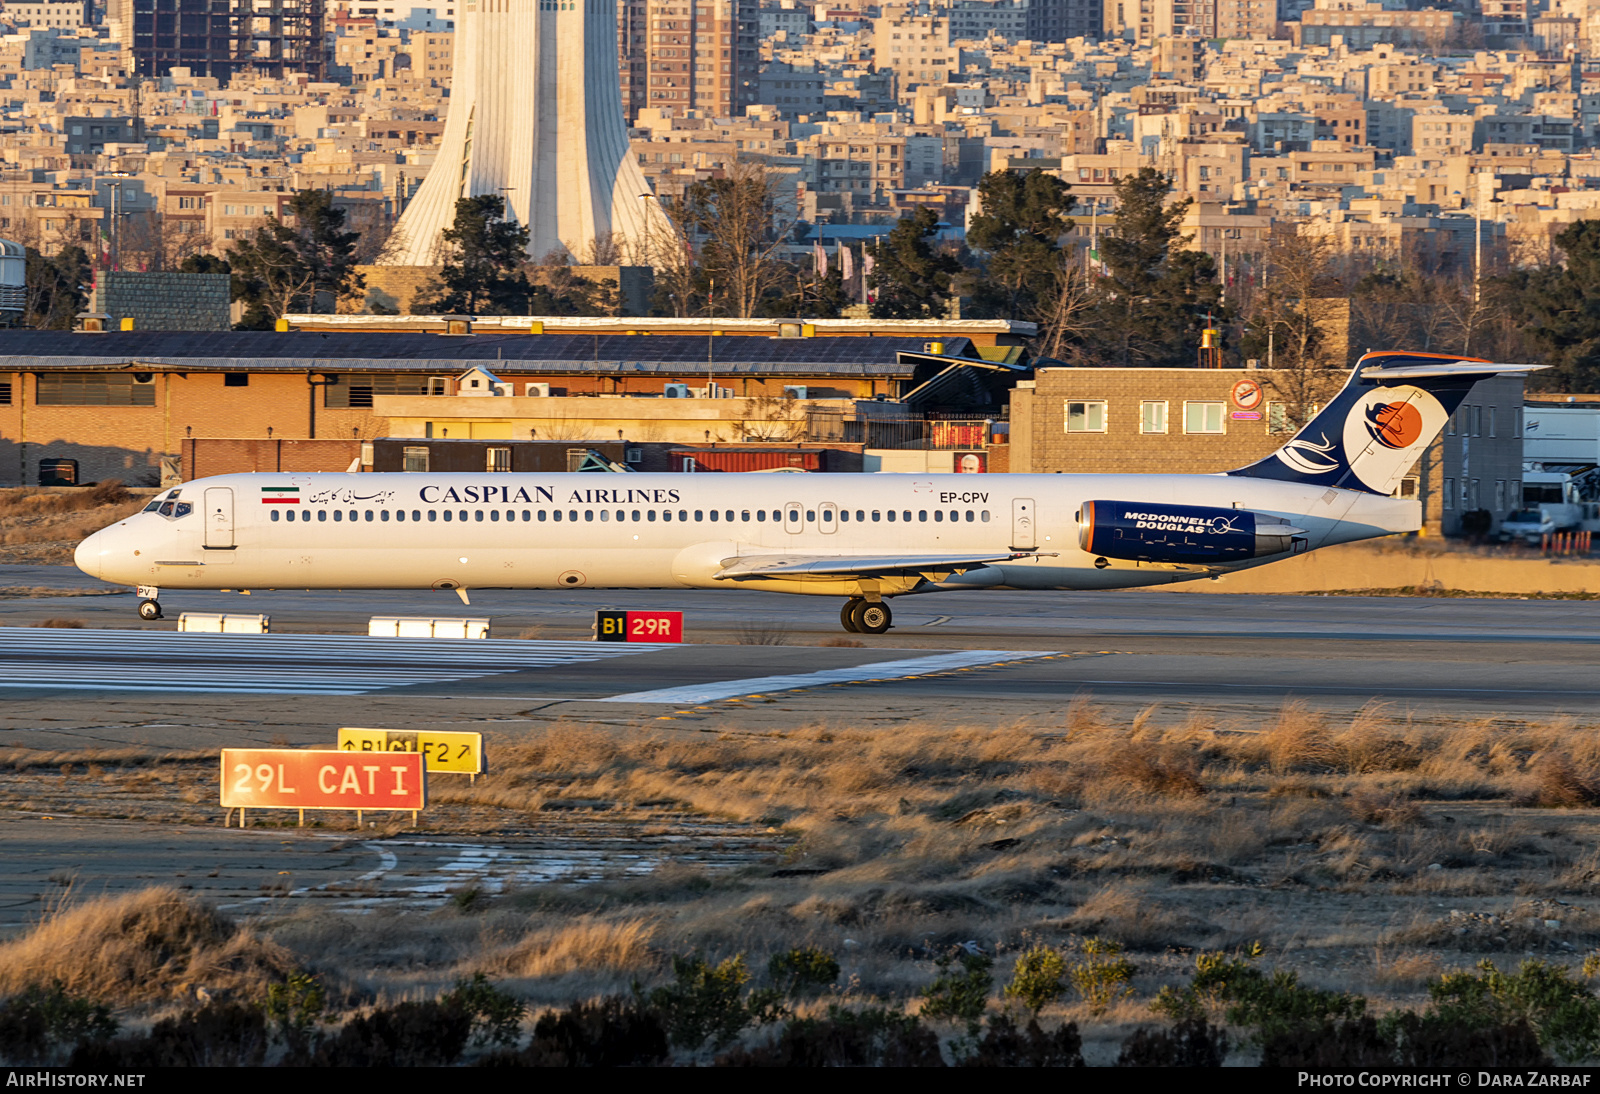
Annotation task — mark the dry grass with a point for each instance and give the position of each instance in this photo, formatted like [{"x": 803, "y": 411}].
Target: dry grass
[
  {"x": 587, "y": 945},
  {"x": 1365, "y": 852},
  {"x": 60, "y": 624},
  {"x": 149, "y": 946},
  {"x": 40, "y": 525}
]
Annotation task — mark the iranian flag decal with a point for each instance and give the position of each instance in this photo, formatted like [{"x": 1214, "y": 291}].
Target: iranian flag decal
[{"x": 280, "y": 495}]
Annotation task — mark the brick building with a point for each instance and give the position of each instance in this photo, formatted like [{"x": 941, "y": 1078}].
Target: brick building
[
  {"x": 126, "y": 404},
  {"x": 1184, "y": 421}
]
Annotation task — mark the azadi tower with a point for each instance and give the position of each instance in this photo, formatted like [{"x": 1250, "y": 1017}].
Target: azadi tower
[{"x": 536, "y": 117}]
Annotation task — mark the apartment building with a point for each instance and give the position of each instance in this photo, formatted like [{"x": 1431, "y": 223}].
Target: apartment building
[{"x": 683, "y": 55}]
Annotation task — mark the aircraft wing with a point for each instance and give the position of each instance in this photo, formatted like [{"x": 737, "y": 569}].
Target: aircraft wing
[{"x": 803, "y": 566}]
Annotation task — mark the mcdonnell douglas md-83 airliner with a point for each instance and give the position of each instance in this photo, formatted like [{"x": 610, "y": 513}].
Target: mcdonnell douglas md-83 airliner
[{"x": 866, "y": 538}]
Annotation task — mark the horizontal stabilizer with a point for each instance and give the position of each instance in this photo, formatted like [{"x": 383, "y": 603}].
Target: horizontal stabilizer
[
  {"x": 803, "y": 566},
  {"x": 1462, "y": 370}
]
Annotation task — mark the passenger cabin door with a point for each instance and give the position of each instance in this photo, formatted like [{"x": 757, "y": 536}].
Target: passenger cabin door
[
  {"x": 827, "y": 517},
  {"x": 1023, "y": 531},
  {"x": 219, "y": 519}
]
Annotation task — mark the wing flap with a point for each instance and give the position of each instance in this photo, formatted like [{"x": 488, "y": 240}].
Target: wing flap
[{"x": 801, "y": 566}]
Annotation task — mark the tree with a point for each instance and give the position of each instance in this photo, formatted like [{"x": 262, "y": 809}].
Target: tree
[
  {"x": 1024, "y": 217},
  {"x": 1155, "y": 293},
  {"x": 57, "y": 288},
  {"x": 1558, "y": 307},
  {"x": 483, "y": 275},
  {"x": 809, "y": 296},
  {"x": 300, "y": 267},
  {"x": 740, "y": 223},
  {"x": 910, "y": 279},
  {"x": 1288, "y": 324}
]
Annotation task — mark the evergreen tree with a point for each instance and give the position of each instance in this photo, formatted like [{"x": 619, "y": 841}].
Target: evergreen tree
[
  {"x": 809, "y": 297},
  {"x": 910, "y": 279},
  {"x": 1024, "y": 217},
  {"x": 1155, "y": 294},
  {"x": 1558, "y": 306},
  {"x": 484, "y": 275},
  {"x": 301, "y": 268},
  {"x": 57, "y": 288}
]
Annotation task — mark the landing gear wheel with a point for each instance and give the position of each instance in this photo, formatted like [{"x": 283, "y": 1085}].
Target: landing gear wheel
[
  {"x": 847, "y": 614},
  {"x": 149, "y": 609},
  {"x": 871, "y": 618}
]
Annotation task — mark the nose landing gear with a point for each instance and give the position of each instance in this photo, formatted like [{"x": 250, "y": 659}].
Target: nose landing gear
[{"x": 861, "y": 616}]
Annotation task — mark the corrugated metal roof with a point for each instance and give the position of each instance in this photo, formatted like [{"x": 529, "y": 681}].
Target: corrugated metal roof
[{"x": 300, "y": 351}]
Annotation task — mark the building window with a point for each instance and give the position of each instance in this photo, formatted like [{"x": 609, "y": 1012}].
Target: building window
[
  {"x": 1203, "y": 418},
  {"x": 415, "y": 457},
  {"x": 1086, "y": 417},
  {"x": 96, "y": 389},
  {"x": 356, "y": 390},
  {"x": 5, "y": 393},
  {"x": 1153, "y": 417},
  {"x": 1449, "y": 493},
  {"x": 1277, "y": 418},
  {"x": 235, "y": 379},
  {"x": 499, "y": 459}
]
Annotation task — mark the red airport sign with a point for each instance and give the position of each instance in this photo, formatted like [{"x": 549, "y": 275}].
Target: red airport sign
[
  {"x": 1247, "y": 395},
  {"x": 293, "y": 778},
  {"x": 638, "y": 626}
]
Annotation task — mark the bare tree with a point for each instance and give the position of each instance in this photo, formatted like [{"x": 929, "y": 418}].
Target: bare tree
[
  {"x": 1065, "y": 308},
  {"x": 741, "y": 223},
  {"x": 1291, "y": 320}
]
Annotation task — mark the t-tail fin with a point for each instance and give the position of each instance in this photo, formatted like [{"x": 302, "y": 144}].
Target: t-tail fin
[{"x": 1387, "y": 414}]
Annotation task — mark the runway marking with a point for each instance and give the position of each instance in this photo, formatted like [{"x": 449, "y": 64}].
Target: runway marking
[
  {"x": 880, "y": 670},
  {"x": 270, "y": 664}
]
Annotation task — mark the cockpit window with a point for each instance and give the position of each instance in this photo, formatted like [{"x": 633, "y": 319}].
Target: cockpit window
[
  {"x": 174, "y": 510},
  {"x": 183, "y": 509},
  {"x": 159, "y": 500},
  {"x": 165, "y": 508}
]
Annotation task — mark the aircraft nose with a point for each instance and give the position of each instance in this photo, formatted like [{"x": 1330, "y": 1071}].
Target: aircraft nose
[{"x": 90, "y": 557}]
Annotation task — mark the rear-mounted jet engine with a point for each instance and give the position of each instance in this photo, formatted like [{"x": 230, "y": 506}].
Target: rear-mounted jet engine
[{"x": 1193, "y": 534}]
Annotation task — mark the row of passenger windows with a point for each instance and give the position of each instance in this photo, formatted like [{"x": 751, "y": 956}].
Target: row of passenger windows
[{"x": 699, "y": 515}]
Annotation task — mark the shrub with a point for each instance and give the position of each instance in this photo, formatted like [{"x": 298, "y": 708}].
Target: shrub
[
  {"x": 804, "y": 971},
  {"x": 1003, "y": 1045},
  {"x": 42, "y": 1021},
  {"x": 703, "y": 1002},
  {"x": 1268, "y": 1004},
  {"x": 1103, "y": 976},
  {"x": 405, "y": 1035},
  {"x": 960, "y": 995},
  {"x": 1036, "y": 979},
  {"x": 496, "y": 1015},
  {"x": 1193, "y": 1042},
  {"x": 845, "y": 1038},
  {"x": 1405, "y": 1040},
  {"x": 216, "y": 1035},
  {"x": 615, "y": 1032},
  {"x": 1563, "y": 1013},
  {"x": 293, "y": 1008}
]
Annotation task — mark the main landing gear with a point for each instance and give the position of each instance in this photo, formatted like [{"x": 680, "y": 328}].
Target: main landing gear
[{"x": 861, "y": 616}]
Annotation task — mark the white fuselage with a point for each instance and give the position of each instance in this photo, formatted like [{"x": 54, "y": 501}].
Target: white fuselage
[{"x": 671, "y": 531}]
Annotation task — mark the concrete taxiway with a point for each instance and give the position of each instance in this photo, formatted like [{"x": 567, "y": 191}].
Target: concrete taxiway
[{"x": 960, "y": 656}]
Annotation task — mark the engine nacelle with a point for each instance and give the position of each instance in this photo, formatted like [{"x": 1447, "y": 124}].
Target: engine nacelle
[{"x": 1194, "y": 534}]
